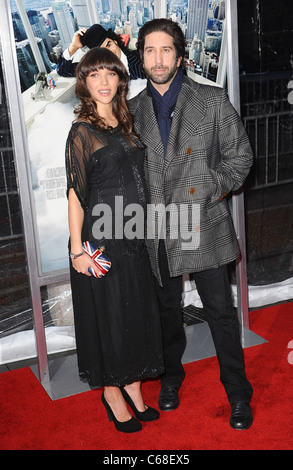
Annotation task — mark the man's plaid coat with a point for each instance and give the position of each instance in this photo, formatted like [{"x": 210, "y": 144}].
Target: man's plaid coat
[{"x": 208, "y": 155}]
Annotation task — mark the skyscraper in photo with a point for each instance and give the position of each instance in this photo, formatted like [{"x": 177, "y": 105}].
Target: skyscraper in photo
[
  {"x": 80, "y": 11},
  {"x": 197, "y": 18},
  {"x": 27, "y": 64},
  {"x": 221, "y": 14},
  {"x": 64, "y": 22},
  {"x": 116, "y": 7},
  {"x": 160, "y": 8}
]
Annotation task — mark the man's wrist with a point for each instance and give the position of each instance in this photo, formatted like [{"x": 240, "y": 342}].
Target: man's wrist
[{"x": 72, "y": 49}]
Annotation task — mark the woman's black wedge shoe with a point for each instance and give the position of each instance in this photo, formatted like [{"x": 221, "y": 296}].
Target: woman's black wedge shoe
[
  {"x": 131, "y": 425},
  {"x": 150, "y": 414}
]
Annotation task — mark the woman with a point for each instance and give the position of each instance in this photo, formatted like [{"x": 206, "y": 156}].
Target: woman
[{"x": 116, "y": 317}]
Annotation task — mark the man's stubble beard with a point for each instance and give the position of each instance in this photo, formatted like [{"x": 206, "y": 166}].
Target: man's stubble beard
[{"x": 161, "y": 80}]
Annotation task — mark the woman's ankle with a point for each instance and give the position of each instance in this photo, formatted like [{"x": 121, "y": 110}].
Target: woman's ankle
[
  {"x": 135, "y": 393},
  {"x": 115, "y": 400}
]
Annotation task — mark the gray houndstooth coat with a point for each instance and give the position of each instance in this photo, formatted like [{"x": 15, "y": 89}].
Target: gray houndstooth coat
[{"x": 208, "y": 155}]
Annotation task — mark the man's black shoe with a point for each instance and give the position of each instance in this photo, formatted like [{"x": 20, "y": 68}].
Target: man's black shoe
[
  {"x": 168, "y": 398},
  {"x": 241, "y": 415}
]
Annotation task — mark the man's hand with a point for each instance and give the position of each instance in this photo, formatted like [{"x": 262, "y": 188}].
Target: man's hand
[{"x": 76, "y": 42}]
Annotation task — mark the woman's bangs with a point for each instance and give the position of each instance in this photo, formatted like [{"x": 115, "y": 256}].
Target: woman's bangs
[
  {"x": 102, "y": 58},
  {"x": 95, "y": 67}
]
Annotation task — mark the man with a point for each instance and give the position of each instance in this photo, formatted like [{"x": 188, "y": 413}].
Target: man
[
  {"x": 97, "y": 36},
  {"x": 197, "y": 152}
]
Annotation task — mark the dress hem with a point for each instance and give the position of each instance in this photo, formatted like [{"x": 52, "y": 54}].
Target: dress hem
[{"x": 115, "y": 382}]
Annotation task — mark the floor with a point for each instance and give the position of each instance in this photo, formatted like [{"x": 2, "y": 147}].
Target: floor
[{"x": 64, "y": 380}]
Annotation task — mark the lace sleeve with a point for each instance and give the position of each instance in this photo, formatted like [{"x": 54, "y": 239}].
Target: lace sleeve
[{"x": 77, "y": 155}]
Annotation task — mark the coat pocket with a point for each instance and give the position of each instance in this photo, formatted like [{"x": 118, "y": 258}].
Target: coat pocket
[{"x": 218, "y": 211}]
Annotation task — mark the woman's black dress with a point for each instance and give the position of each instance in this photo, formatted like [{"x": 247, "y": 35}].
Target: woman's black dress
[{"x": 117, "y": 324}]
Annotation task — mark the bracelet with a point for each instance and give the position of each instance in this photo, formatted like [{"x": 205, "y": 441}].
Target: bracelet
[{"x": 73, "y": 256}]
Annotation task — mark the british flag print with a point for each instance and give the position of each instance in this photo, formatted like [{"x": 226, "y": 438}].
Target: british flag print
[{"x": 99, "y": 258}]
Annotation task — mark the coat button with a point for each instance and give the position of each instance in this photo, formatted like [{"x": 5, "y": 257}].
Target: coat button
[
  {"x": 188, "y": 150},
  {"x": 192, "y": 190}
]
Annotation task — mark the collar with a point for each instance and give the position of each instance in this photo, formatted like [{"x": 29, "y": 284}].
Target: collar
[
  {"x": 124, "y": 61},
  {"x": 172, "y": 91}
]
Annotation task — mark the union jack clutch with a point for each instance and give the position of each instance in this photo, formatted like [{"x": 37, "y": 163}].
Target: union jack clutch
[{"x": 99, "y": 258}]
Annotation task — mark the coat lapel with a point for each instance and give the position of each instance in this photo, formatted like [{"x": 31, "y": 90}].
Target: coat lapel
[
  {"x": 146, "y": 119},
  {"x": 189, "y": 111}
]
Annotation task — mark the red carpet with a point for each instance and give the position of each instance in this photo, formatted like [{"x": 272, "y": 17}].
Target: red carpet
[{"x": 30, "y": 420}]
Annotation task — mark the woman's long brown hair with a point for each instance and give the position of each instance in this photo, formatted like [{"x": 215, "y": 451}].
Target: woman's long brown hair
[{"x": 96, "y": 59}]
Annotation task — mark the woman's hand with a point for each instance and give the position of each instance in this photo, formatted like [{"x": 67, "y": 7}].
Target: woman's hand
[
  {"x": 75, "y": 218},
  {"x": 83, "y": 263}
]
